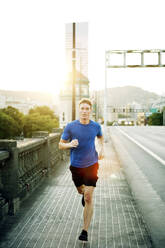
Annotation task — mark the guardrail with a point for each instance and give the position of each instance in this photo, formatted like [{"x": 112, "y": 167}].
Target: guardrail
[{"x": 24, "y": 165}]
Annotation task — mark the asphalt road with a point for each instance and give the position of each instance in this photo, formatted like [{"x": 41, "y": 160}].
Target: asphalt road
[{"x": 142, "y": 153}]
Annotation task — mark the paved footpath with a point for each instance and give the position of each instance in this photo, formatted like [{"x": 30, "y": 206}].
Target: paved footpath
[{"x": 52, "y": 216}]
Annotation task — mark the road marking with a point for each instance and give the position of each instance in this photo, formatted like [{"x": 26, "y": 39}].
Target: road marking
[{"x": 143, "y": 147}]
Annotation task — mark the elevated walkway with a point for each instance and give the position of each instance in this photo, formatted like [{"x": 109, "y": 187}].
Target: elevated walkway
[{"x": 52, "y": 216}]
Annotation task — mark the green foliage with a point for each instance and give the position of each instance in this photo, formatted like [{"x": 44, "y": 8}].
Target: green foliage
[
  {"x": 17, "y": 116},
  {"x": 109, "y": 123},
  {"x": 11, "y": 123},
  {"x": 43, "y": 110},
  {"x": 123, "y": 116},
  {"x": 7, "y": 126},
  {"x": 40, "y": 119},
  {"x": 156, "y": 119}
]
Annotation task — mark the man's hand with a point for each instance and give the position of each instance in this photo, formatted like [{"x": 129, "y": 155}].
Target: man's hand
[
  {"x": 64, "y": 144},
  {"x": 74, "y": 143},
  {"x": 100, "y": 148}
]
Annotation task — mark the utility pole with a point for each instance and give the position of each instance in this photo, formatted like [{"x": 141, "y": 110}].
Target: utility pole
[
  {"x": 105, "y": 102},
  {"x": 74, "y": 74},
  {"x": 80, "y": 80}
]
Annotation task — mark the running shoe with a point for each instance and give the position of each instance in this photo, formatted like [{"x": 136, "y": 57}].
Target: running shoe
[
  {"x": 83, "y": 201},
  {"x": 83, "y": 236}
]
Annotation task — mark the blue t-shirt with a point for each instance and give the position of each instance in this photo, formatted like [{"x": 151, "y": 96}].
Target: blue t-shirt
[{"x": 85, "y": 153}]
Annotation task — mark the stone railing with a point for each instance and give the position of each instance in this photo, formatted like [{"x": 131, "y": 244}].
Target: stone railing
[
  {"x": 24, "y": 165},
  {"x": 4, "y": 155}
]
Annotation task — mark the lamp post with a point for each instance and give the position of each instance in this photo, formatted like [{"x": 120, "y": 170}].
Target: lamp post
[
  {"x": 74, "y": 74},
  {"x": 105, "y": 101}
]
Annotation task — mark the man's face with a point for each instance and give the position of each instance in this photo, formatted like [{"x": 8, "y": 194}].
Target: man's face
[{"x": 85, "y": 111}]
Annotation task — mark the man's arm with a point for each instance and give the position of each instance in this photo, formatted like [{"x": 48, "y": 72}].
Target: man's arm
[
  {"x": 64, "y": 144},
  {"x": 101, "y": 147}
]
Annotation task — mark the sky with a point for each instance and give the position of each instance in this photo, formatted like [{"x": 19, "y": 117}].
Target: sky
[{"x": 32, "y": 41}]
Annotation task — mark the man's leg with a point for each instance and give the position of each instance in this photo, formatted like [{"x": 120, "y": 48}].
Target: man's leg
[
  {"x": 88, "y": 209},
  {"x": 81, "y": 189}
]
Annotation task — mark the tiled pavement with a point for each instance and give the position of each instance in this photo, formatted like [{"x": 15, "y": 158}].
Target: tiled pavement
[{"x": 52, "y": 216}]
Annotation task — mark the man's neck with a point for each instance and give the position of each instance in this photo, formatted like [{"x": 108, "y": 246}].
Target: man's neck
[{"x": 84, "y": 121}]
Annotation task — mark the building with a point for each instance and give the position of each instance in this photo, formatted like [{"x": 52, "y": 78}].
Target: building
[
  {"x": 82, "y": 82},
  {"x": 82, "y": 90},
  {"x": 24, "y": 100},
  {"x": 81, "y": 39},
  {"x": 116, "y": 111},
  {"x": 141, "y": 119}
]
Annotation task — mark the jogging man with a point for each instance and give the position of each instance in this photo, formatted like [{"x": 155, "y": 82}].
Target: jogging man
[{"x": 79, "y": 135}]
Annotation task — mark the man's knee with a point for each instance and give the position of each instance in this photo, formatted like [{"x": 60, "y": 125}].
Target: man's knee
[
  {"x": 88, "y": 198},
  {"x": 80, "y": 189},
  {"x": 88, "y": 195}
]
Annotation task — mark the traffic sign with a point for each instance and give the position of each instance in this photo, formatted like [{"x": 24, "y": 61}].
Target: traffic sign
[{"x": 153, "y": 110}]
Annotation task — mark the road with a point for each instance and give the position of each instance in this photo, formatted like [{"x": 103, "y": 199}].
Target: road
[
  {"x": 142, "y": 153},
  {"x": 147, "y": 152}
]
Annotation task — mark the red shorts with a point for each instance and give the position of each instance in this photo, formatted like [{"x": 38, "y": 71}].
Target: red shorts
[{"x": 87, "y": 176}]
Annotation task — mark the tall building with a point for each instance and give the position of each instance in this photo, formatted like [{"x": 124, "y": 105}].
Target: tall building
[
  {"x": 82, "y": 83},
  {"x": 81, "y": 38}
]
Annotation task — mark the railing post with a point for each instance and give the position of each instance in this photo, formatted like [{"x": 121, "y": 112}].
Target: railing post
[
  {"x": 10, "y": 176},
  {"x": 46, "y": 157}
]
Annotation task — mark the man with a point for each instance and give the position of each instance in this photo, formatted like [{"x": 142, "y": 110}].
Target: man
[{"x": 79, "y": 135}]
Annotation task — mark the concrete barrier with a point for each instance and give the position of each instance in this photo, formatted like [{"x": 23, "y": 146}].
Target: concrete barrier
[{"x": 24, "y": 164}]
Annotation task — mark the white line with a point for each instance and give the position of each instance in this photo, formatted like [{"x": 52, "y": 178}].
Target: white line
[
  {"x": 64, "y": 213},
  {"x": 105, "y": 202},
  {"x": 144, "y": 148},
  {"x": 25, "y": 221},
  {"x": 112, "y": 217},
  {"x": 78, "y": 229},
  {"x": 41, "y": 222},
  {"x": 93, "y": 218},
  {"x": 100, "y": 207},
  {"x": 66, "y": 223},
  {"x": 37, "y": 211},
  {"x": 118, "y": 219},
  {"x": 137, "y": 218},
  {"x": 74, "y": 222},
  {"x": 47, "y": 221},
  {"x": 125, "y": 219}
]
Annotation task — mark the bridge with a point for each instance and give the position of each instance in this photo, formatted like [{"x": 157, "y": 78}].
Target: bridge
[{"x": 40, "y": 207}]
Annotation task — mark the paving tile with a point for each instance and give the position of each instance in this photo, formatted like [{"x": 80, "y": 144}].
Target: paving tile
[{"x": 52, "y": 217}]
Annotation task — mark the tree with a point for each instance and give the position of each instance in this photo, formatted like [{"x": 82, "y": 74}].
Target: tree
[
  {"x": 11, "y": 123},
  {"x": 7, "y": 126},
  {"x": 156, "y": 119},
  {"x": 43, "y": 110},
  {"x": 18, "y": 117},
  {"x": 40, "y": 119}
]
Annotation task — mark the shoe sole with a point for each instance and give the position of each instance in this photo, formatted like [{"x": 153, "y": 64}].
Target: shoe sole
[{"x": 84, "y": 241}]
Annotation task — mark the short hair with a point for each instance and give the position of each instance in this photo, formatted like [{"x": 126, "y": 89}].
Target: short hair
[{"x": 85, "y": 100}]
